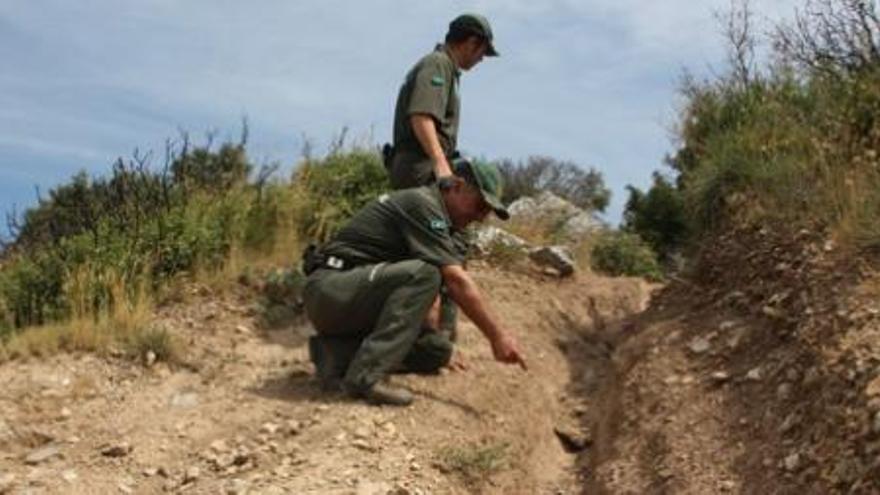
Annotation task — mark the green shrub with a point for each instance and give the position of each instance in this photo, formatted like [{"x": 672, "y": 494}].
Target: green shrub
[
  {"x": 155, "y": 340},
  {"x": 625, "y": 254},
  {"x": 658, "y": 216},
  {"x": 336, "y": 187}
]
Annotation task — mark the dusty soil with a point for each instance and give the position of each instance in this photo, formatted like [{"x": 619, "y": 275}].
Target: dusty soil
[
  {"x": 244, "y": 414},
  {"x": 758, "y": 375}
]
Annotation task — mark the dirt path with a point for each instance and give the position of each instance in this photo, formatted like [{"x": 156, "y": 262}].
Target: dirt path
[{"x": 245, "y": 415}]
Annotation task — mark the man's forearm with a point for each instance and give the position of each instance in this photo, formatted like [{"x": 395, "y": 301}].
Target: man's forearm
[
  {"x": 467, "y": 295},
  {"x": 426, "y": 133}
]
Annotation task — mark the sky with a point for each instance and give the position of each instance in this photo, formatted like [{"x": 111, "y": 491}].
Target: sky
[{"x": 591, "y": 82}]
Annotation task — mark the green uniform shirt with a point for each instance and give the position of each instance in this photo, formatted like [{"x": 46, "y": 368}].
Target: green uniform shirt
[
  {"x": 402, "y": 225},
  {"x": 430, "y": 87}
]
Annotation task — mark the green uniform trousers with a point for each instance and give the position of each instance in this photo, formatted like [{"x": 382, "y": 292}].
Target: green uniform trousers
[{"x": 383, "y": 307}]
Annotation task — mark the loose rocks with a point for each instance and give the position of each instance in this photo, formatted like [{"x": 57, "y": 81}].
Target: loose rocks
[{"x": 42, "y": 455}]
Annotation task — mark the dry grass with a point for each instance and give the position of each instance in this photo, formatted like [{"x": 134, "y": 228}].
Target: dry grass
[
  {"x": 474, "y": 463},
  {"x": 93, "y": 327}
]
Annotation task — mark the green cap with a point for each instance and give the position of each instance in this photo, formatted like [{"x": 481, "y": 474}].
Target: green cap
[
  {"x": 488, "y": 179},
  {"x": 474, "y": 24}
]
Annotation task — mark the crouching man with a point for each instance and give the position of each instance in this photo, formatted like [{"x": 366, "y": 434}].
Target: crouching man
[{"x": 372, "y": 292}]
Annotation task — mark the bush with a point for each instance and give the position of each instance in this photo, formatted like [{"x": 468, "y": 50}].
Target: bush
[
  {"x": 335, "y": 188},
  {"x": 625, "y": 254},
  {"x": 157, "y": 341},
  {"x": 657, "y": 216},
  {"x": 97, "y": 243}
]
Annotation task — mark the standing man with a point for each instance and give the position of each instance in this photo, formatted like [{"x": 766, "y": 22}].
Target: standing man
[
  {"x": 372, "y": 292},
  {"x": 427, "y": 112}
]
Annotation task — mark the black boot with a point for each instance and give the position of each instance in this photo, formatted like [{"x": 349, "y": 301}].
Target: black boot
[{"x": 331, "y": 357}]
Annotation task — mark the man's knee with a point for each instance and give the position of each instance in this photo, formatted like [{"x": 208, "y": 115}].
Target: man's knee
[{"x": 431, "y": 352}]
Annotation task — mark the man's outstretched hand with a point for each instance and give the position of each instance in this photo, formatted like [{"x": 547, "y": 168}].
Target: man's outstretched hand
[{"x": 507, "y": 351}]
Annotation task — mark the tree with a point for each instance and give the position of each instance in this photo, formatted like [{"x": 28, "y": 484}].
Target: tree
[
  {"x": 834, "y": 37},
  {"x": 583, "y": 188},
  {"x": 657, "y": 216}
]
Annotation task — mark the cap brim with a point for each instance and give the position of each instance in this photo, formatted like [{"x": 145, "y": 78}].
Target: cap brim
[
  {"x": 497, "y": 206},
  {"x": 491, "y": 51}
]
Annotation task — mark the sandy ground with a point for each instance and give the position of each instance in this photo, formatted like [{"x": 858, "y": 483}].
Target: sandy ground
[
  {"x": 244, "y": 415},
  {"x": 631, "y": 390}
]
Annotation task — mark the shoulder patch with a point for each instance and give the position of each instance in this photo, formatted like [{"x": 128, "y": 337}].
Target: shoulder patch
[
  {"x": 438, "y": 81},
  {"x": 439, "y": 224}
]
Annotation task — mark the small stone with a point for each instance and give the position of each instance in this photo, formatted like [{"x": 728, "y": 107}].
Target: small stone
[
  {"x": 125, "y": 488},
  {"x": 185, "y": 400},
  {"x": 65, "y": 413},
  {"x": 792, "y": 463},
  {"x": 784, "y": 391},
  {"x": 771, "y": 312},
  {"x": 150, "y": 359},
  {"x": 69, "y": 475},
  {"x": 269, "y": 428},
  {"x": 42, "y": 455},
  {"x": 372, "y": 488},
  {"x": 699, "y": 345},
  {"x": 789, "y": 423},
  {"x": 219, "y": 446},
  {"x": 414, "y": 467},
  {"x": 6, "y": 432},
  {"x": 559, "y": 258},
  {"x": 116, "y": 450},
  {"x": 243, "y": 330},
  {"x": 237, "y": 487},
  {"x": 294, "y": 427},
  {"x": 362, "y": 444},
  {"x": 873, "y": 388},
  {"x": 150, "y": 472},
  {"x": 191, "y": 475},
  {"x": 726, "y": 325},
  {"x": 811, "y": 377},
  {"x": 720, "y": 376},
  {"x": 754, "y": 374},
  {"x": 572, "y": 440},
  {"x": 728, "y": 486},
  {"x": 362, "y": 433}
]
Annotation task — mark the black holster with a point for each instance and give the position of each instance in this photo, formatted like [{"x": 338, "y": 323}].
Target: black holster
[
  {"x": 312, "y": 259},
  {"x": 387, "y": 155}
]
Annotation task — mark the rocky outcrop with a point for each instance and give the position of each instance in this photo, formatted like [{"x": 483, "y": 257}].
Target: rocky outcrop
[
  {"x": 568, "y": 223},
  {"x": 549, "y": 209}
]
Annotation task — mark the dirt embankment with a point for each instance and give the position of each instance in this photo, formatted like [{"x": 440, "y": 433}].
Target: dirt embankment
[
  {"x": 760, "y": 376},
  {"x": 244, "y": 415}
]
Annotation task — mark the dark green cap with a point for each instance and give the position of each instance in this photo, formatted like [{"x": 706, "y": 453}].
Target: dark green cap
[
  {"x": 474, "y": 24},
  {"x": 487, "y": 178}
]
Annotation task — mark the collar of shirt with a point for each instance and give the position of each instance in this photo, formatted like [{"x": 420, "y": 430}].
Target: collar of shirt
[{"x": 443, "y": 47}]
